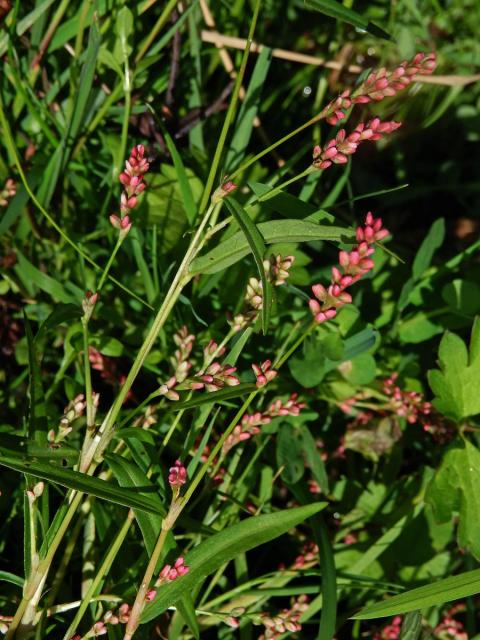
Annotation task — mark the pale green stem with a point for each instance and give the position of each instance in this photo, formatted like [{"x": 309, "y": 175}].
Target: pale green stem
[
  {"x": 276, "y": 144},
  {"x": 37, "y": 579},
  {"x": 88, "y": 379},
  {"x": 139, "y": 603},
  {"x": 103, "y": 569},
  {"x": 80, "y": 27},
  {"x": 230, "y": 113}
]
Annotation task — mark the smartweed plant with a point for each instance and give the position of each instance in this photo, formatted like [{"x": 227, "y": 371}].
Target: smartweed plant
[{"x": 143, "y": 500}]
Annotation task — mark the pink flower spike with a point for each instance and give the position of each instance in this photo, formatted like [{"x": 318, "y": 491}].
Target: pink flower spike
[
  {"x": 264, "y": 373},
  {"x": 177, "y": 475}
]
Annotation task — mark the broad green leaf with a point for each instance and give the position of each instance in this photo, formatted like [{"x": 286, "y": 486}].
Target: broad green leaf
[
  {"x": 236, "y": 247},
  {"x": 30, "y": 275},
  {"x": 456, "y": 488},
  {"x": 82, "y": 482},
  {"x": 340, "y": 12},
  {"x": 223, "y": 547},
  {"x": 418, "y": 328},
  {"x": 452, "y": 588},
  {"x": 124, "y": 29},
  {"x": 289, "y": 453},
  {"x": 257, "y": 247},
  {"x": 217, "y": 396},
  {"x": 248, "y": 111},
  {"x": 456, "y": 385},
  {"x": 313, "y": 458},
  {"x": 432, "y": 241},
  {"x": 463, "y": 296},
  {"x": 423, "y": 258}
]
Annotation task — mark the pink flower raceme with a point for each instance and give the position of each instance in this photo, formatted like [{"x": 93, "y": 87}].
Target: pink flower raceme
[
  {"x": 132, "y": 180},
  {"x": 217, "y": 376},
  {"x": 380, "y": 84},
  {"x": 353, "y": 265},
  {"x": 264, "y": 373},
  {"x": 169, "y": 573},
  {"x": 338, "y": 149},
  {"x": 8, "y": 191},
  {"x": 177, "y": 475}
]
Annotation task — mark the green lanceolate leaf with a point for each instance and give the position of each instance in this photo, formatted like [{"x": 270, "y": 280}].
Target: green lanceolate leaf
[
  {"x": 12, "y": 446},
  {"x": 456, "y": 385},
  {"x": 236, "y": 247},
  {"x": 453, "y": 588},
  {"x": 82, "y": 482},
  {"x": 223, "y": 547},
  {"x": 338, "y": 11},
  {"x": 456, "y": 488},
  {"x": 257, "y": 247},
  {"x": 129, "y": 474}
]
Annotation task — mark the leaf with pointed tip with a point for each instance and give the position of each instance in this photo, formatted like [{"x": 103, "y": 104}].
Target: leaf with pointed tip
[
  {"x": 223, "y": 547},
  {"x": 82, "y": 482},
  {"x": 236, "y": 247},
  {"x": 431, "y": 595},
  {"x": 257, "y": 247}
]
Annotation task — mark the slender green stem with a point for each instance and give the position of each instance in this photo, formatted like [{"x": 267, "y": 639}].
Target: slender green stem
[
  {"x": 103, "y": 569},
  {"x": 230, "y": 113},
  {"x": 34, "y": 584},
  {"x": 88, "y": 378},
  {"x": 276, "y": 144},
  {"x": 278, "y": 188},
  {"x": 139, "y": 603},
  {"x": 108, "y": 266}
]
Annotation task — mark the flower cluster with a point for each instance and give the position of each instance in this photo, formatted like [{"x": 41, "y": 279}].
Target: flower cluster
[
  {"x": 107, "y": 367},
  {"x": 75, "y": 409},
  {"x": 251, "y": 423},
  {"x": 277, "y": 271},
  {"x": 406, "y": 404},
  {"x": 278, "y": 268},
  {"x": 338, "y": 149},
  {"x": 8, "y": 191},
  {"x": 181, "y": 359},
  {"x": 264, "y": 373},
  {"x": 308, "y": 558},
  {"x": 380, "y": 84},
  {"x": 286, "y": 620},
  {"x": 449, "y": 628},
  {"x": 114, "y": 617},
  {"x": 177, "y": 475},
  {"x": 169, "y": 574},
  {"x": 391, "y": 631},
  {"x": 132, "y": 180},
  {"x": 353, "y": 265},
  {"x": 216, "y": 377}
]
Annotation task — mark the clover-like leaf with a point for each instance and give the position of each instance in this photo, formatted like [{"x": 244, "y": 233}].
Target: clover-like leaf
[{"x": 457, "y": 384}]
